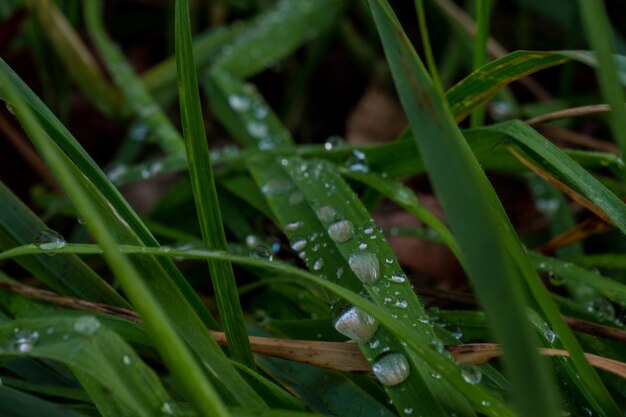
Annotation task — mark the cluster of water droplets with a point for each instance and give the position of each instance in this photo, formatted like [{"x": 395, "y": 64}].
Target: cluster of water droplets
[{"x": 24, "y": 340}]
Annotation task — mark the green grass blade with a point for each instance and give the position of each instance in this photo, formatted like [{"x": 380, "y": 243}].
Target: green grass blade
[
  {"x": 276, "y": 33},
  {"x": 205, "y": 194},
  {"x": 75, "y": 57},
  {"x": 479, "y": 58},
  {"x": 171, "y": 347},
  {"x": 597, "y": 26},
  {"x": 136, "y": 96},
  {"x": 482, "y": 400},
  {"x": 15, "y": 403},
  {"x": 475, "y": 217},
  {"x": 126, "y": 217},
  {"x": 297, "y": 191},
  {"x": 19, "y": 226}
]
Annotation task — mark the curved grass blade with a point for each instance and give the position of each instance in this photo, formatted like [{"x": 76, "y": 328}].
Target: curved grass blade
[
  {"x": 475, "y": 217},
  {"x": 309, "y": 198},
  {"x": 118, "y": 207},
  {"x": 84, "y": 345},
  {"x": 597, "y": 26},
  {"x": 276, "y": 33},
  {"x": 481, "y": 399},
  {"x": 205, "y": 194},
  {"x": 19, "y": 225},
  {"x": 135, "y": 93},
  {"x": 75, "y": 57},
  {"x": 15, "y": 403},
  {"x": 167, "y": 340}
]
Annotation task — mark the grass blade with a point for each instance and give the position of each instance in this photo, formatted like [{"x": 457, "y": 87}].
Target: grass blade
[
  {"x": 205, "y": 194},
  {"x": 474, "y": 214}
]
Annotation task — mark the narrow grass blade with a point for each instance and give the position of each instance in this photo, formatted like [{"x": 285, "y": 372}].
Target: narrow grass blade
[
  {"x": 205, "y": 194},
  {"x": 135, "y": 93},
  {"x": 597, "y": 26},
  {"x": 15, "y": 403},
  {"x": 479, "y": 58},
  {"x": 481, "y": 399},
  {"x": 475, "y": 217},
  {"x": 276, "y": 33},
  {"x": 304, "y": 197},
  {"x": 19, "y": 226},
  {"x": 75, "y": 57},
  {"x": 171, "y": 347}
]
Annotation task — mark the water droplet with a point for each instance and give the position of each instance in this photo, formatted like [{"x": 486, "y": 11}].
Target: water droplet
[
  {"x": 362, "y": 246},
  {"x": 168, "y": 408},
  {"x": 368, "y": 230},
  {"x": 296, "y": 198},
  {"x": 436, "y": 345},
  {"x": 556, "y": 280},
  {"x": 326, "y": 214},
  {"x": 485, "y": 403},
  {"x": 238, "y": 103},
  {"x": 408, "y": 410},
  {"x": 401, "y": 304},
  {"x": 341, "y": 231},
  {"x": 436, "y": 375},
  {"x": 392, "y": 369},
  {"x": 87, "y": 325},
  {"x": 293, "y": 226},
  {"x": 398, "y": 279},
  {"x": 365, "y": 266},
  {"x": 388, "y": 261},
  {"x": 334, "y": 142},
  {"x": 24, "y": 340},
  {"x": 456, "y": 332},
  {"x": 549, "y": 333},
  {"x": 339, "y": 272},
  {"x": 318, "y": 264},
  {"x": 357, "y": 162},
  {"x": 253, "y": 241},
  {"x": 117, "y": 172},
  {"x": 298, "y": 243},
  {"x": 257, "y": 130},
  {"x": 10, "y": 108},
  {"x": 471, "y": 374},
  {"x": 49, "y": 240},
  {"x": 277, "y": 186},
  {"x": 356, "y": 324},
  {"x": 126, "y": 360},
  {"x": 601, "y": 307},
  {"x": 262, "y": 252}
]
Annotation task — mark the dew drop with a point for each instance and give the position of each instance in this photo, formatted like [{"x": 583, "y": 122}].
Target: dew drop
[
  {"x": 436, "y": 375},
  {"x": 293, "y": 226},
  {"x": 365, "y": 266},
  {"x": 456, "y": 332},
  {"x": 401, "y": 304},
  {"x": 277, "y": 186},
  {"x": 298, "y": 244},
  {"x": 357, "y": 162},
  {"x": 326, "y": 214},
  {"x": 471, "y": 375},
  {"x": 87, "y": 325},
  {"x": 126, "y": 360},
  {"x": 398, "y": 279},
  {"x": 556, "y": 280},
  {"x": 334, "y": 142},
  {"x": 356, "y": 324},
  {"x": 388, "y": 261},
  {"x": 392, "y": 369},
  {"x": 262, "y": 252},
  {"x": 296, "y": 197},
  {"x": 408, "y": 410},
  {"x": 485, "y": 403},
  {"x": 257, "y": 130},
  {"x": 238, "y": 103},
  {"x": 549, "y": 333},
  {"x": 362, "y": 246},
  {"x": 24, "y": 340},
  {"x": 318, "y": 264},
  {"x": 341, "y": 231},
  {"x": 49, "y": 240}
]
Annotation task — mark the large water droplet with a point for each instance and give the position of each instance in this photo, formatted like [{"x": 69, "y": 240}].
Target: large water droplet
[
  {"x": 238, "y": 103},
  {"x": 365, "y": 266},
  {"x": 298, "y": 243},
  {"x": 357, "y": 162},
  {"x": 326, "y": 214},
  {"x": 392, "y": 369},
  {"x": 24, "y": 340},
  {"x": 334, "y": 142},
  {"x": 356, "y": 324},
  {"x": 341, "y": 231},
  {"x": 262, "y": 252},
  {"x": 471, "y": 375},
  {"x": 87, "y": 325},
  {"x": 49, "y": 240}
]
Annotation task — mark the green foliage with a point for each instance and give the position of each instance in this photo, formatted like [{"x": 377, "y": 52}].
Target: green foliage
[{"x": 286, "y": 226}]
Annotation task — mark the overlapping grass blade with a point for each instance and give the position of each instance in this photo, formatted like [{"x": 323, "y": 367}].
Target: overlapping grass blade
[
  {"x": 19, "y": 226},
  {"x": 173, "y": 350},
  {"x": 205, "y": 194},
  {"x": 481, "y": 399},
  {"x": 75, "y": 57},
  {"x": 597, "y": 26},
  {"x": 95, "y": 351},
  {"x": 276, "y": 33},
  {"x": 304, "y": 198},
  {"x": 15, "y": 403},
  {"x": 136, "y": 96},
  {"x": 126, "y": 219},
  {"x": 474, "y": 214}
]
